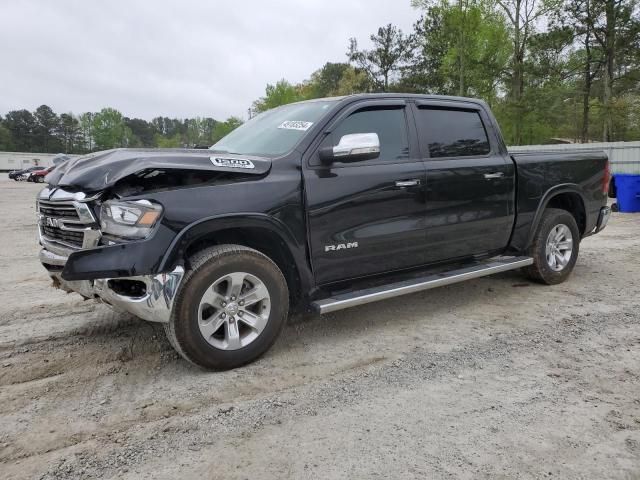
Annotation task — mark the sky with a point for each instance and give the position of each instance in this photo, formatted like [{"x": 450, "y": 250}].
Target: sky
[{"x": 175, "y": 58}]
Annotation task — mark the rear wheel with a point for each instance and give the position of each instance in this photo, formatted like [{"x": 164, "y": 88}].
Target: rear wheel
[
  {"x": 231, "y": 307},
  {"x": 554, "y": 248}
]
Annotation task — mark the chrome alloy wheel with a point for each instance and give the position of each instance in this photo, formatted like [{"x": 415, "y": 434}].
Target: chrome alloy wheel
[
  {"x": 559, "y": 247},
  {"x": 234, "y": 310}
]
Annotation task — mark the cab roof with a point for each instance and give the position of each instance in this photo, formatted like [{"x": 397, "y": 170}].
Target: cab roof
[{"x": 380, "y": 96}]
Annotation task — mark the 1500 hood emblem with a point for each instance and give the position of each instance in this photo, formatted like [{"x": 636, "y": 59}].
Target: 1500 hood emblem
[{"x": 231, "y": 162}]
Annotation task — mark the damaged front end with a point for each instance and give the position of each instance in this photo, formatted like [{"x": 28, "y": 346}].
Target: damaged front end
[
  {"x": 108, "y": 244},
  {"x": 67, "y": 225}
]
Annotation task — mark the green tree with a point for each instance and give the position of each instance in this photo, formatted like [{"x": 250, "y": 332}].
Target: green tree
[
  {"x": 461, "y": 49},
  {"x": 325, "y": 82},
  {"x": 208, "y": 126},
  {"x": 282, "y": 93},
  {"x": 47, "y": 123},
  {"x": 353, "y": 80},
  {"x": 69, "y": 133},
  {"x": 425, "y": 72},
  {"x": 200, "y": 131},
  {"x": 6, "y": 143},
  {"x": 615, "y": 26},
  {"x": 142, "y": 132},
  {"x": 174, "y": 141},
  {"x": 391, "y": 53},
  {"x": 22, "y": 126},
  {"x": 168, "y": 127},
  {"x": 577, "y": 17},
  {"x": 109, "y": 130},
  {"x": 86, "y": 131},
  {"x": 222, "y": 129},
  {"x": 523, "y": 17}
]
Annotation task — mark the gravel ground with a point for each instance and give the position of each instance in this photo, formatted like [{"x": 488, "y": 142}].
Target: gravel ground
[{"x": 493, "y": 378}]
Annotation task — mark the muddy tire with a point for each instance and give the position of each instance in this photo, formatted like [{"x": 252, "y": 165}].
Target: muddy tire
[
  {"x": 554, "y": 248},
  {"x": 231, "y": 307}
]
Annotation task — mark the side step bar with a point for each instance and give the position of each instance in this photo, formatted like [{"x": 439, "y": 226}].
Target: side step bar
[{"x": 352, "y": 299}]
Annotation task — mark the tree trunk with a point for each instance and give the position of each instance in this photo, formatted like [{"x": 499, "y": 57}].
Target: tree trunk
[
  {"x": 461, "y": 51},
  {"x": 518, "y": 81},
  {"x": 518, "y": 77},
  {"x": 586, "y": 93},
  {"x": 610, "y": 39},
  {"x": 461, "y": 90}
]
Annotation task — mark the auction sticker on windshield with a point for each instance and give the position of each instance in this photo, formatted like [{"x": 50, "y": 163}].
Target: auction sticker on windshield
[{"x": 296, "y": 125}]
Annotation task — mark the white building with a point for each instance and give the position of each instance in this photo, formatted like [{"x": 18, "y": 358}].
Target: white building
[{"x": 20, "y": 160}]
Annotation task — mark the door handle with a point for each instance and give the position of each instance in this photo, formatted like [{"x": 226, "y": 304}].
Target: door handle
[
  {"x": 407, "y": 183},
  {"x": 489, "y": 176}
]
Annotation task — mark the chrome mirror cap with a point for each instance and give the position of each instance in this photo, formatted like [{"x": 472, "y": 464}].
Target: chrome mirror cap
[
  {"x": 352, "y": 148},
  {"x": 357, "y": 144}
]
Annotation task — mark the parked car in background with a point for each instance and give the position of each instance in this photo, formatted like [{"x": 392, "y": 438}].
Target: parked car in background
[
  {"x": 24, "y": 173},
  {"x": 37, "y": 176}
]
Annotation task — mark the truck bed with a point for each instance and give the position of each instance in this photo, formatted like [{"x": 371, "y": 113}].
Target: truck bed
[{"x": 541, "y": 175}]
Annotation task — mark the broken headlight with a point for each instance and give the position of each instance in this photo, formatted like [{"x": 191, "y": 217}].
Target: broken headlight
[{"x": 132, "y": 220}]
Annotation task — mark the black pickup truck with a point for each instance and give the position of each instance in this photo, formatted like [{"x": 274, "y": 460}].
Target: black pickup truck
[{"x": 319, "y": 205}]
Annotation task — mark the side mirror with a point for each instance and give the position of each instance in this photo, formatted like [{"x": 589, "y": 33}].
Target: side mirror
[{"x": 352, "y": 148}]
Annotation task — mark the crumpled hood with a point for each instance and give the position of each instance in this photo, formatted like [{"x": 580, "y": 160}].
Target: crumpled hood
[{"x": 100, "y": 170}]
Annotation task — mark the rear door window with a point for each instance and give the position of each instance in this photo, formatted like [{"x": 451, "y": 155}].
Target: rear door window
[{"x": 453, "y": 132}]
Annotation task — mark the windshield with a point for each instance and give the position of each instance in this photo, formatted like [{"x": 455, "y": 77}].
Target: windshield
[{"x": 274, "y": 132}]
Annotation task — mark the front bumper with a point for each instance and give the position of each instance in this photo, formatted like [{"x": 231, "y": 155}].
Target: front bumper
[
  {"x": 603, "y": 218},
  {"x": 68, "y": 229},
  {"x": 152, "y": 300}
]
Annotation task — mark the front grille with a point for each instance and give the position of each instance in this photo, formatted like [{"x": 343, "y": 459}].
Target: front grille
[
  {"x": 67, "y": 225},
  {"x": 67, "y": 237},
  {"x": 58, "y": 210}
]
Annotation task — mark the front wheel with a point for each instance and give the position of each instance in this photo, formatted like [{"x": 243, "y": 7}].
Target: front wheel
[
  {"x": 554, "y": 247},
  {"x": 232, "y": 305}
]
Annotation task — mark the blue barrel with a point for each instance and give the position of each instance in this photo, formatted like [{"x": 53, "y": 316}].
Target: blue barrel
[{"x": 628, "y": 192}]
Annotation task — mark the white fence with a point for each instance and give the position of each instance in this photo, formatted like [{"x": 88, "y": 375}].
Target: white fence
[{"x": 624, "y": 156}]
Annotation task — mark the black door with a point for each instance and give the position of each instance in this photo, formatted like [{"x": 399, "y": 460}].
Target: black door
[
  {"x": 470, "y": 183},
  {"x": 367, "y": 217}
]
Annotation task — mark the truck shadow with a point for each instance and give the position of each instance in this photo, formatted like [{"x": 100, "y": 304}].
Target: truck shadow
[
  {"x": 451, "y": 296},
  {"x": 483, "y": 304}
]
